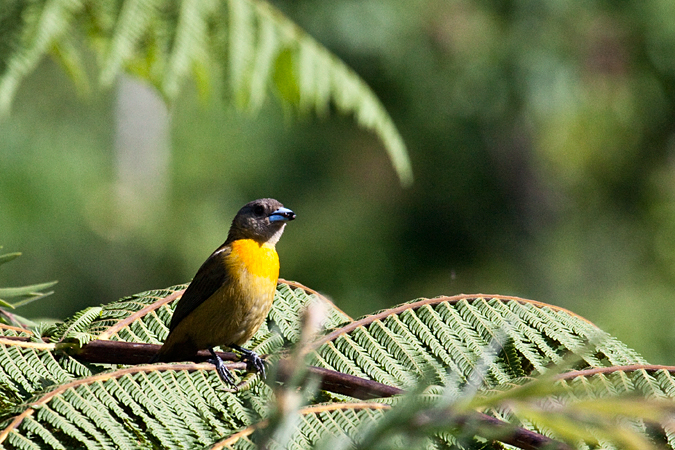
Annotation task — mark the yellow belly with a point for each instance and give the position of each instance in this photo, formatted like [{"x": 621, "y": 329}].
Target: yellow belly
[{"x": 255, "y": 270}]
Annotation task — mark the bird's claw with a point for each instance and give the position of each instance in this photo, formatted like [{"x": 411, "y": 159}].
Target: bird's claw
[
  {"x": 223, "y": 372},
  {"x": 254, "y": 363}
]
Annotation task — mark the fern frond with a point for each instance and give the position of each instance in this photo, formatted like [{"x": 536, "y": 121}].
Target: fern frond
[
  {"x": 436, "y": 348},
  {"x": 613, "y": 405},
  {"x": 430, "y": 336},
  {"x": 191, "y": 44},
  {"x": 319, "y": 423},
  {"x": 133, "y": 24},
  {"x": 12, "y": 331},
  {"x": 21, "y": 295},
  {"x": 290, "y": 302},
  {"x": 44, "y": 25},
  {"x": 112, "y": 409},
  {"x": 146, "y": 314},
  {"x": 311, "y": 77},
  {"x": 32, "y": 290},
  {"x": 77, "y": 328},
  {"x": 249, "y": 43}
]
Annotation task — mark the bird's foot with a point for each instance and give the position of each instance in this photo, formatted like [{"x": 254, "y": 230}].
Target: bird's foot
[
  {"x": 254, "y": 363},
  {"x": 223, "y": 372}
]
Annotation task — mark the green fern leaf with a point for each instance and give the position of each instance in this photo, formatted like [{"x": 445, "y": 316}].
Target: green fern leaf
[
  {"x": 191, "y": 43},
  {"x": 133, "y": 24},
  {"x": 111, "y": 410},
  {"x": 321, "y": 426},
  {"x": 248, "y": 42},
  {"x": 612, "y": 405},
  {"x": 44, "y": 26},
  {"x": 77, "y": 328},
  {"x": 435, "y": 348},
  {"x": 430, "y": 336},
  {"x": 7, "y": 257}
]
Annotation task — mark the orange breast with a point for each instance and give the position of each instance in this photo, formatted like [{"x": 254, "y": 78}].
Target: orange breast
[{"x": 259, "y": 260}]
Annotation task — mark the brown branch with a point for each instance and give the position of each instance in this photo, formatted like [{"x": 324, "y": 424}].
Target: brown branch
[{"x": 119, "y": 352}]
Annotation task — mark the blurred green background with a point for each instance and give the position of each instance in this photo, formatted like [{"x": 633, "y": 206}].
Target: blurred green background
[{"x": 541, "y": 135}]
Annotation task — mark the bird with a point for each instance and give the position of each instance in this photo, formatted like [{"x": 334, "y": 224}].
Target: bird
[{"x": 232, "y": 292}]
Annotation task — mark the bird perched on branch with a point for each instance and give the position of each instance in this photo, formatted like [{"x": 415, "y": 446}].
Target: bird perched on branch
[{"x": 232, "y": 292}]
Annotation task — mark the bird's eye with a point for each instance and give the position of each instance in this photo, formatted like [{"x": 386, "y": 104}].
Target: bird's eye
[{"x": 259, "y": 210}]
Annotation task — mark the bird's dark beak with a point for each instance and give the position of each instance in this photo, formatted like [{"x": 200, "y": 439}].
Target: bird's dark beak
[{"x": 282, "y": 215}]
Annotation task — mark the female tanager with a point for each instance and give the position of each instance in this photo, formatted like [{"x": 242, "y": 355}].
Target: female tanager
[{"x": 232, "y": 292}]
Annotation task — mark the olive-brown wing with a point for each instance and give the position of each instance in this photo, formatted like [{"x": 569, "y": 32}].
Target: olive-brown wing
[{"x": 209, "y": 278}]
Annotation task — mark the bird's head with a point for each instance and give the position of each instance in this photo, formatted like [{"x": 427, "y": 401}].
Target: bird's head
[{"x": 262, "y": 220}]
